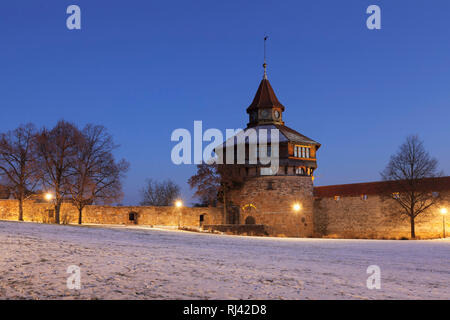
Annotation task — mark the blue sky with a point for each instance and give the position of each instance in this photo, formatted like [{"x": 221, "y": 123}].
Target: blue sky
[{"x": 145, "y": 68}]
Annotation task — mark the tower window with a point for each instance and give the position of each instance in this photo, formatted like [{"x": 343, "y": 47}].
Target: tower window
[{"x": 302, "y": 152}]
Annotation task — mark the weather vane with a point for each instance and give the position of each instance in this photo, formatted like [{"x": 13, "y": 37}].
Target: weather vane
[{"x": 265, "y": 64}]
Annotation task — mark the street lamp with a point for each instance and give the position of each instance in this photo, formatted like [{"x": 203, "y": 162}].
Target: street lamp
[
  {"x": 296, "y": 206},
  {"x": 48, "y": 196},
  {"x": 443, "y": 212},
  {"x": 179, "y": 204}
]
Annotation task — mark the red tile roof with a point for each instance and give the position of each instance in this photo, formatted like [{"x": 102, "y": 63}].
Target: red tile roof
[
  {"x": 294, "y": 136},
  {"x": 265, "y": 97},
  {"x": 357, "y": 189}
]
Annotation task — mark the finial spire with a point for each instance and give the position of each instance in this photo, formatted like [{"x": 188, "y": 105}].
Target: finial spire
[{"x": 265, "y": 64}]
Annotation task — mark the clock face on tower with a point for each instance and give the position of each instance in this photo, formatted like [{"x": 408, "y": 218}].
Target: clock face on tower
[
  {"x": 265, "y": 114},
  {"x": 276, "y": 114}
]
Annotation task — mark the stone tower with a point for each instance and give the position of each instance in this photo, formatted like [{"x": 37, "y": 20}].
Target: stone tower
[{"x": 281, "y": 200}]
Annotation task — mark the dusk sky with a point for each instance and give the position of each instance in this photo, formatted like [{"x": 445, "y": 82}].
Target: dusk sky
[{"x": 146, "y": 68}]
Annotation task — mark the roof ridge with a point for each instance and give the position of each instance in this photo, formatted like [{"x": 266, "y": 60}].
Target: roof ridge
[{"x": 378, "y": 187}]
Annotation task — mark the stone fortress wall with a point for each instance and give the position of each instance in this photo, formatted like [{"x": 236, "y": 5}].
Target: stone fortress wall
[
  {"x": 374, "y": 217},
  {"x": 152, "y": 216},
  {"x": 265, "y": 201}
]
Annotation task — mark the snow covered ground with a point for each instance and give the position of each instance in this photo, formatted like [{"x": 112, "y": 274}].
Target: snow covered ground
[{"x": 140, "y": 263}]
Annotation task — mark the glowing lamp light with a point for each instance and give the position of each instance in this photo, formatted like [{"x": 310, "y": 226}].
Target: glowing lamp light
[
  {"x": 178, "y": 204},
  {"x": 297, "y": 207},
  {"x": 443, "y": 212},
  {"x": 48, "y": 196}
]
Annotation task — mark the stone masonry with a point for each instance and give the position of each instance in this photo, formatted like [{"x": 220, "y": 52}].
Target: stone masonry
[
  {"x": 269, "y": 201},
  {"x": 375, "y": 217},
  {"x": 152, "y": 216}
]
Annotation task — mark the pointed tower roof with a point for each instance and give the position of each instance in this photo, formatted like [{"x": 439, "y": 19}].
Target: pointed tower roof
[{"x": 265, "y": 97}]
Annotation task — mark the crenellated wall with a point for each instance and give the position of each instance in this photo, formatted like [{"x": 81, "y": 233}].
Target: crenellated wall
[{"x": 154, "y": 216}]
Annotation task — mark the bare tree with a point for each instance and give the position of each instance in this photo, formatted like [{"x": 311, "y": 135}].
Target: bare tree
[
  {"x": 213, "y": 182},
  {"x": 229, "y": 179},
  {"x": 159, "y": 193},
  {"x": 57, "y": 150},
  {"x": 206, "y": 182},
  {"x": 5, "y": 190},
  {"x": 96, "y": 177},
  {"x": 18, "y": 162},
  {"x": 408, "y": 171}
]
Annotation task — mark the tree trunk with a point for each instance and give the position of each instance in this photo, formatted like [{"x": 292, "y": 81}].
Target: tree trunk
[
  {"x": 20, "y": 209},
  {"x": 57, "y": 209},
  {"x": 224, "y": 218},
  {"x": 413, "y": 231},
  {"x": 80, "y": 212}
]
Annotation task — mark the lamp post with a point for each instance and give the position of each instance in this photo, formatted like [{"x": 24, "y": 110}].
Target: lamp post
[
  {"x": 179, "y": 204},
  {"x": 296, "y": 207},
  {"x": 49, "y": 197},
  {"x": 443, "y": 212}
]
